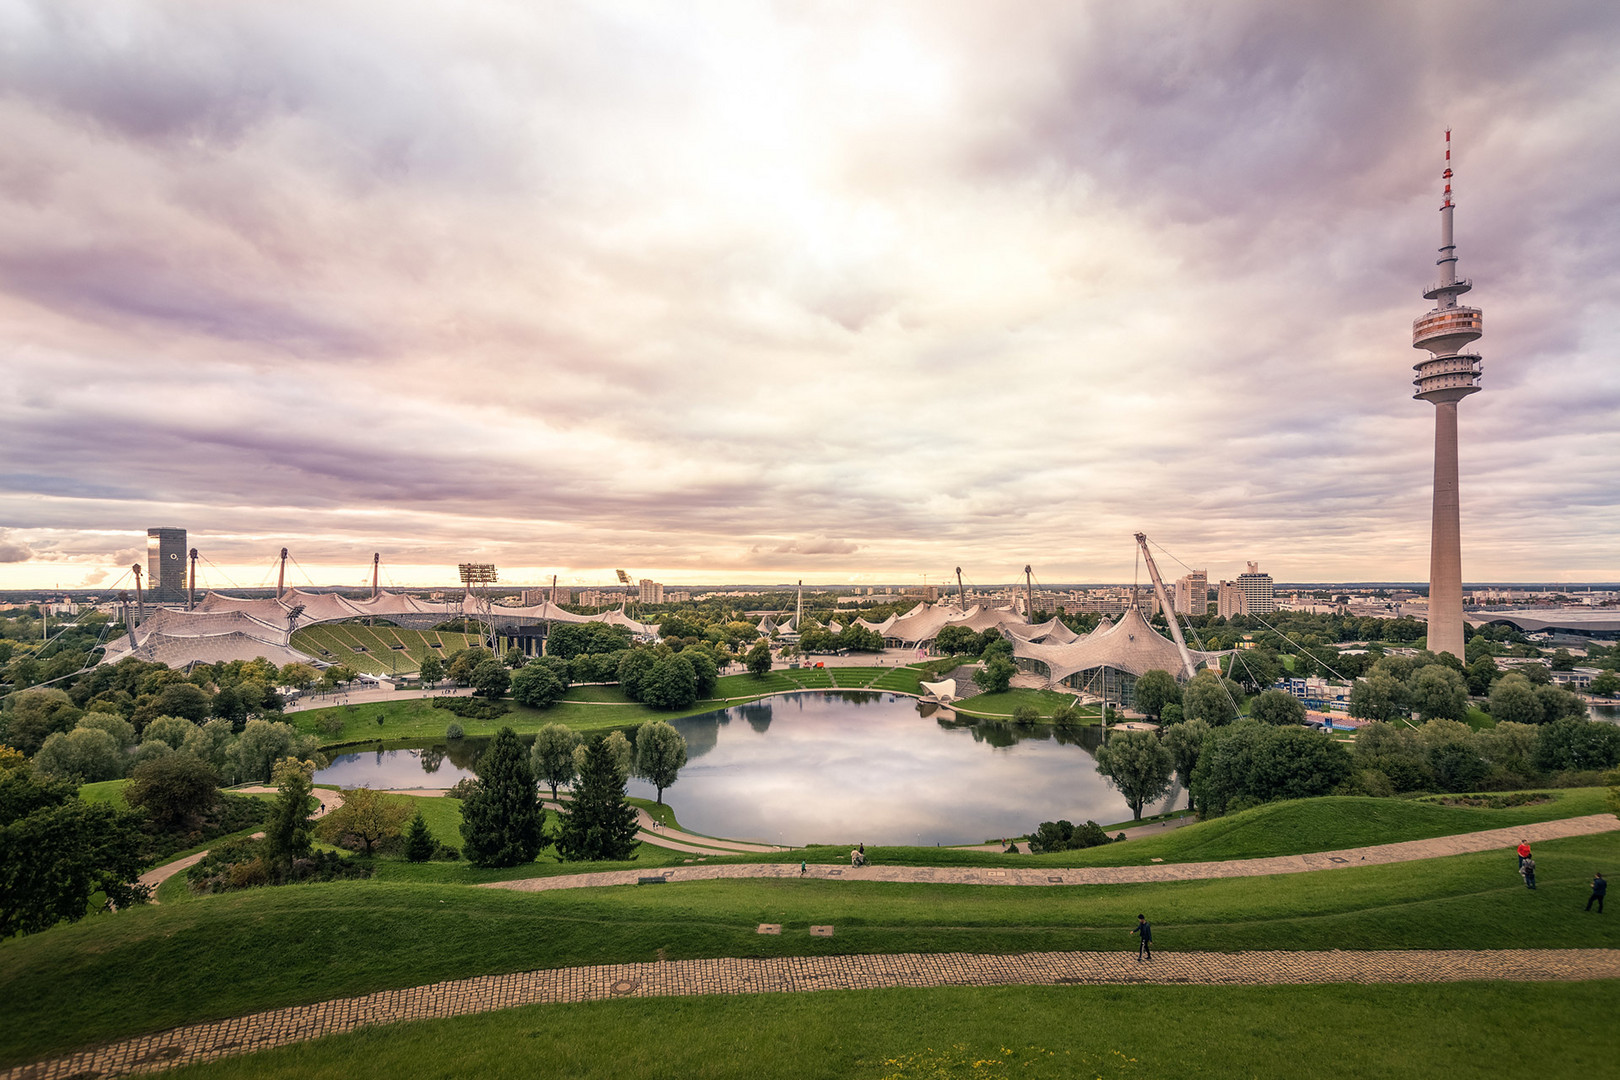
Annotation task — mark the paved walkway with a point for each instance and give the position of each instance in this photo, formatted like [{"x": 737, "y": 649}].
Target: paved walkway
[
  {"x": 330, "y": 800},
  {"x": 800, "y": 974},
  {"x": 1406, "y": 851}
]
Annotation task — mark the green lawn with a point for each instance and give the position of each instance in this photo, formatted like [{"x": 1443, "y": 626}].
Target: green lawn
[
  {"x": 105, "y": 791},
  {"x": 92, "y": 981},
  {"x": 1146, "y": 1032}
]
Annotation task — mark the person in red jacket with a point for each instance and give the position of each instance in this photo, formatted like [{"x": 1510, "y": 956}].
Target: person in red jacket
[{"x": 1524, "y": 851}]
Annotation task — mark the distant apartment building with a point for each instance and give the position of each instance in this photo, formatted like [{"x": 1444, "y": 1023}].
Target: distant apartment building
[
  {"x": 1230, "y": 601},
  {"x": 600, "y": 597},
  {"x": 166, "y": 564},
  {"x": 556, "y": 594},
  {"x": 1258, "y": 591},
  {"x": 677, "y": 596},
  {"x": 1192, "y": 593},
  {"x": 652, "y": 592}
]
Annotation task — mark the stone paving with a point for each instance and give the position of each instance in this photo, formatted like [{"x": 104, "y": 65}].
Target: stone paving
[
  {"x": 681, "y": 978},
  {"x": 1378, "y": 854}
]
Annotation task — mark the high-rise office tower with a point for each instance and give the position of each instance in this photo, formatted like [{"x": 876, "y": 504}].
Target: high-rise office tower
[
  {"x": 166, "y": 563},
  {"x": 1445, "y": 378}
]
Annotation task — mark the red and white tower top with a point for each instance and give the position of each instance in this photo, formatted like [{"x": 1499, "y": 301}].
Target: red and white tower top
[{"x": 1449, "y": 374}]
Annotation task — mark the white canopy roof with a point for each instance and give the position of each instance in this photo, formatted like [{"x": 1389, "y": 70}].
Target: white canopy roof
[{"x": 1130, "y": 645}]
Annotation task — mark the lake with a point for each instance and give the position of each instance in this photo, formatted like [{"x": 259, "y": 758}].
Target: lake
[{"x": 837, "y": 767}]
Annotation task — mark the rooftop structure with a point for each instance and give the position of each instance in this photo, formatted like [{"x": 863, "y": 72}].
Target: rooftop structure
[{"x": 1445, "y": 378}]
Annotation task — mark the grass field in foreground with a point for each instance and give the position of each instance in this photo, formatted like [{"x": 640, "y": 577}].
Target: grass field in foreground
[
  {"x": 226, "y": 955},
  {"x": 1147, "y": 1032}
]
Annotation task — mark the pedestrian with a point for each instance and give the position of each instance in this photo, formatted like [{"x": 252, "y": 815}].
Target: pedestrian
[
  {"x": 803, "y": 867},
  {"x": 1524, "y": 851},
  {"x": 1144, "y": 945},
  {"x": 1600, "y": 886},
  {"x": 1527, "y": 869}
]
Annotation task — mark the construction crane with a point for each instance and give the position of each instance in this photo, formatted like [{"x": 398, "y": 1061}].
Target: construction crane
[{"x": 1165, "y": 604}]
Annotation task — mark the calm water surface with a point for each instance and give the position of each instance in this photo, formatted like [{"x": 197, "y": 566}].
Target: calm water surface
[{"x": 837, "y": 768}]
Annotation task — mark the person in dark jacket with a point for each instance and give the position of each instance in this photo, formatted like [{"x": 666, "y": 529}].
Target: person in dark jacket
[
  {"x": 1145, "y": 944},
  {"x": 1600, "y": 886},
  {"x": 1527, "y": 868}
]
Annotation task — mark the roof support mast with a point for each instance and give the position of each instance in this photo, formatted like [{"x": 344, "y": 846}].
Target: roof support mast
[
  {"x": 961, "y": 596},
  {"x": 1029, "y": 595},
  {"x": 1164, "y": 602}
]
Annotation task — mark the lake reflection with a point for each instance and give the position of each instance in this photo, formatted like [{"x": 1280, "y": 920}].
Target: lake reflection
[{"x": 838, "y": 767}]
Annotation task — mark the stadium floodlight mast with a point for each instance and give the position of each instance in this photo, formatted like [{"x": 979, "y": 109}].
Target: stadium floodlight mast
[{"x": 480, "y": 574}]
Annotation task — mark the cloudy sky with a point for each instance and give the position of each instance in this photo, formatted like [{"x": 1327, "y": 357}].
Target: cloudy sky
[{"x": 753, "y": 292}]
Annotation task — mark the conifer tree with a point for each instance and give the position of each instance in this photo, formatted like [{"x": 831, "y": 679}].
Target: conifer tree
[
  {"x": 599, "y": 824},
  {"x": 502, "y": 819},
  {"x": 419, "y": 842}
]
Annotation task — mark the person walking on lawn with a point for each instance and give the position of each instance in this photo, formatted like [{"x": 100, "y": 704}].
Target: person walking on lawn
[
  {"x": 1527, "y": 869},
  {"x": 1600, "y": 886},
  {"x": 1524, "y": 851},
  {"x": 1144, "y": 929}
]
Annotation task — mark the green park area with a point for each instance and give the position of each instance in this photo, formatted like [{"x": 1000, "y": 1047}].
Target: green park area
[{"x": 200, "y": 957}]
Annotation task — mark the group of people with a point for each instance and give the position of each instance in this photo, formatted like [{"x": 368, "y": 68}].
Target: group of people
[
  {"x": 857, "y": 855},
  {"x": 1527, "y": 870}
]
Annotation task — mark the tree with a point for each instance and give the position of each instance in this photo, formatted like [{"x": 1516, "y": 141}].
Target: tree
[
  {"x": 1277, "y": 707},
  {"x": 758, "y": 659},
  {"x": 168, "y": 729},
  {"x": 634, "y": 669},
  {"x": 618, "y": 747},
  {"x": 1438, "y": 692},
  {"x": 1513, "y": 700},
  {"x": 1209, "y": 698},
  {"x": 264, "y": 742},
  {"x": 1458, "y": 766},
  {"x": 1559, "y": 704},
  {"x": 996, "y": 675},
  {"x": 175, "y": 790},
  {"x": 552, "y": 756},
  {"x": 1378, "y": 696},
  {"x": 1394, "y": 751},
  {"x": 1185, "y": 741},
  {"x": 705, "y": 669},
  {"x": 1248, "y": 763},
  {"x": 286, "y": 834},
  {"x": 569, "y": 640},
  {"x": 368, "y": 816},
  {"x": 35, "y": 714},
  {"x": 432, "y": 670},
  {"x": 660, "y": 753},
  {"x": 490, "y": 679},
  {"x": 1571, "y": 743},
  {"x": 502, "y": 819},
  {"x": 1606, "y": 684},
  {"x": 419, "y": 842},
  {"x": 1138, "y": 765},
  {"x": 670, "y": 684},
  {"x": 464, "y": 662},
  {"x": 59, "y": 851},
  {"x": 83, "y": 755},
  {"x": 514, "y": 657},
  {"x": 599, "y": 824},
  {"x": 536, "y": 685},
  {"x": 1482, "y": 671},
  {"x": 1256, "y": 668},
  {"x": 297, "y": 675},
  {"x": 1154, "y": 690}
]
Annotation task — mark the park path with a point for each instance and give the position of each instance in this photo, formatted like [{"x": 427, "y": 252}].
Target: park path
[
  {"x": 1379, "y": 854},
  {"x": 330, "y": 800},
  {"x": 800, "y": 974}
]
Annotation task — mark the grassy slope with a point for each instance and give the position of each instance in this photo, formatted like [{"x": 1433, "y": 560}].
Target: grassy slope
[
  {"x": 1163, "y": 1033},
  {"x": 92, "y": 981},
  {"x": 1045, "y": 702},
  {"x": 105, "y": 791}
]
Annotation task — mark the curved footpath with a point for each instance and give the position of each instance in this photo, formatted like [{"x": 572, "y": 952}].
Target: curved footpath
[
  {"x": 797, "y": 974},
  {"x": 1405, "y": 851}
]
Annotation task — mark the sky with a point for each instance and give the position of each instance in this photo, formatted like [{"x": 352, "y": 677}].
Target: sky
[{"x": 753, "y": 292}]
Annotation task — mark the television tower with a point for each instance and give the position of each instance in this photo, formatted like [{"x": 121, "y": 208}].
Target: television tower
[{"x": 1445, "y": 378}]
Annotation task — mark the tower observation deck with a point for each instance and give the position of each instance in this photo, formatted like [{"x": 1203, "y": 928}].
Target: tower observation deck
[{"x": 1448, "y": 375}]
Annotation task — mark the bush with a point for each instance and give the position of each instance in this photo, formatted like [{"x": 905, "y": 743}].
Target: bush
[
  {"x": 246, "y": 864},
  {"x": 537, "y": 686},
  {"x": 996, "y": 675},
  {"x": 453, "y": 731},
  {"x": 330, "y": 725},
  {"x": 1026, "y": 714},
  {"x": 473, "y": 708},
  {"x": 1064, "y": 836}
]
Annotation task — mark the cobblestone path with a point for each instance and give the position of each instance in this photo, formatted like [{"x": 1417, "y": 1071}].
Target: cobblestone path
[
  {"x": 682, "y": 978},
  {"x": 1406, "y": 851}
]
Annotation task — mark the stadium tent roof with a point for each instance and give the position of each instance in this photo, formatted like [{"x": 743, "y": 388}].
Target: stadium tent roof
[
  {"x": 264, "y": 627},
  {"x": 1052, "y": 632},
  {"x": 1130, "y": 645},
  {"x": 923, "y": 623},
  {"x": 880, "y": 627}
]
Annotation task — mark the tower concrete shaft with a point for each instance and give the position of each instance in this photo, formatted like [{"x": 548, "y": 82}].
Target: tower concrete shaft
[{"x": 1444, "y": 379}]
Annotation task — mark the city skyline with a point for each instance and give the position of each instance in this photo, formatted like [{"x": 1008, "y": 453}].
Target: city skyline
[{"x": 750, "y": 295}]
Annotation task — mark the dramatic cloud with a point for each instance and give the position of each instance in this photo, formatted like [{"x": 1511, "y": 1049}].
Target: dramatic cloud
[{"x": 761, "y": 292}]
